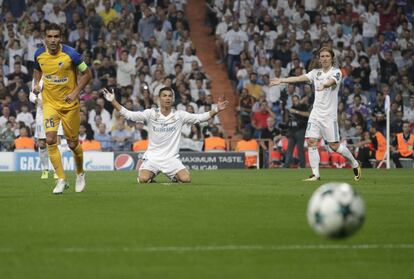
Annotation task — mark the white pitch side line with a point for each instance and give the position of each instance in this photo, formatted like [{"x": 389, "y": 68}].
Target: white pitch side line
[{"x": 188, "y": 249}]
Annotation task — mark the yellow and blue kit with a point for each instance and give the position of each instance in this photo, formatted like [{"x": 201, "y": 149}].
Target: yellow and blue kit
[{"x": 59, "y": 80}]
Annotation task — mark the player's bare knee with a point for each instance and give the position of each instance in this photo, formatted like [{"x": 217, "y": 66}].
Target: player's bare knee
[
  {"x": 72, "y": 144},
  {"x": 312, "y": 142},
  {"x": 184, "y": 178},
  {"x": 42, "y": 144},
  {"x": 143, "y": 179},
  {"x": 51, "y": 140}
]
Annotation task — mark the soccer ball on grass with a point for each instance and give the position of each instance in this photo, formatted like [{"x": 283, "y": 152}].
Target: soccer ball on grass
[{"x": 335, "y": 210}]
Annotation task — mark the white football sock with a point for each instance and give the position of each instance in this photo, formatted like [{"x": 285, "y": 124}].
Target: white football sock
[
  {"x": 314, "y": 160},
  {"x": 344, "y": 151},
  {"x": 60, "y": 147},
  {"x": 44, "y": 159}
]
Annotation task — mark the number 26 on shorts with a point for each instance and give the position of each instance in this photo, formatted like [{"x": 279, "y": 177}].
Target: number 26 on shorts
[{"x": 49, "y": 123}]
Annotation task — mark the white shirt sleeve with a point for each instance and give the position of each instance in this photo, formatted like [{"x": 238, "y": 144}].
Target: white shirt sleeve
[
  {"x": 192, "y": 118},
  {"x": 32, "y": 97},
  {"x": 311, "y": 76},
  {"x": 135, "y": 115},
  {"x": 336, "y": 76}
]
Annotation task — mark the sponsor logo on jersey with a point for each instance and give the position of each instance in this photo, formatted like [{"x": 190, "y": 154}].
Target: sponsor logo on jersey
[
  {"x": 52, "y": 79},
  {"x": 337, "y": 76},
  {"x": 163, "y": 129},
  {"x": 124, "y": 162}
]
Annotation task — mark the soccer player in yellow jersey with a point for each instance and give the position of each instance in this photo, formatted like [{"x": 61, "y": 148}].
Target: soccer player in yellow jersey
[{"x": 59, "y": 64}]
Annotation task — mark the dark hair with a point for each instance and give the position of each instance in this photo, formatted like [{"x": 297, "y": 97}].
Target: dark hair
[
  {"x": 89, "y": 134},
  {"x": 53, "y": 26},
  {"x": 167, "y": 89},
  {"x": 144, "y": 134}
]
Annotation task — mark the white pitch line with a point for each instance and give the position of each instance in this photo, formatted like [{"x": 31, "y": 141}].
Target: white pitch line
[{"x": 189, "y": 249}]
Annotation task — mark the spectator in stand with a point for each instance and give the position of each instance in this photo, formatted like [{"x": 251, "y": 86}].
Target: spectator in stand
[
  {"x": 17, "y": 72},
  {"x": 259, "y": 119},
  {"x": 5, "y": 113},
  {"x": 185, "y": 102},
  {"x": 235, "y": 42},
  {"x": 24, "y": 141},
  {"x": 370, "y": 24},
  {"x": 104, "y": 138},
  {"x": 108, "y": 14},
  {"x": 387, "y": 66},
  {"x": 121, "y": 137},
  {"x": 106, "y": 70},
  {"x": 406, "y": 89},
  {"x": 365, "y": 149},
  {"x": 82, "y": 132},
  {"x": 196, "y": 133},
  {"x": 272, "y": 134},
  {"x": 253, "y": 88},
  {"x": 362, "y": 73},
  {"x": 100, "y": 50},
  {"x": 297, "y": 120},
  {"x": 403, "y": 145},
  {"x": 378, "y": 113},
  {"x": 409, "y": 111},
  {"x": 142, "y": 144},
  {"x": 348, "y": 132},
  {"x": 7, "y": 137},
  {"x": 214, "y": 142},
  {"x": 247, "y": 144},
  {"x": 125, "y": 74},
  {"x": 221, "y": 31},
  {"x": 397, "y": 123},
  {"x": 22, "y": 100},
  {"x": 25, "y": 116},
  {"x": 91, "y": 144},
  {"x": 357, "y": 107},
  {"x": 99, "y": 109},
  {"x": 199, "y": 90},
  {"x": 146, "y": 25}
]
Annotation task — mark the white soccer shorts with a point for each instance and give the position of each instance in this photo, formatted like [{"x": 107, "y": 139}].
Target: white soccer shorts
[
  {"x": 169, "y": 167},
  {"x": 326, "y": 129}
]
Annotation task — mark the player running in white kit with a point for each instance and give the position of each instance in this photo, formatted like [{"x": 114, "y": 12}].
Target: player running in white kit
[
  {"x": 164, "y": 133},
  {"x": 40, "y": 134},
  {"x": 323, "y": 120}
]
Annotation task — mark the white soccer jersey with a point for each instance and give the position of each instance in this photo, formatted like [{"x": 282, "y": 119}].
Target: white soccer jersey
[
  {"x": 164, "y": 132},
  {"x": 325, "y": 105}
]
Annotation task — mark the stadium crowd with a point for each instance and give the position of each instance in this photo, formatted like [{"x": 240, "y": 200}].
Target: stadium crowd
[
  {"x": 373, "y": 43},
  {"x": 137, "y": 47}
]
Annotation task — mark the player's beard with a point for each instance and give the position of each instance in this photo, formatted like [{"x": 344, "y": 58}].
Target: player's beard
[{"x": 53, "y": 48}]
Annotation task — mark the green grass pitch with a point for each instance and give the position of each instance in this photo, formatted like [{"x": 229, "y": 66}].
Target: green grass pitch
[{"x": 225, "y": 224}]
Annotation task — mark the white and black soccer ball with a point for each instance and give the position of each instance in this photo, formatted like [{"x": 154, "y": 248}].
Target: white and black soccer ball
[{"x": 336, "y": 210}]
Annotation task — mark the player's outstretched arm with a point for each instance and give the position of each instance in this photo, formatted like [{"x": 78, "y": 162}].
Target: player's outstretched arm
[
  {"x": 277, "y": 81},
  {"x": 110, "y": 97},
  {"x": 192, "y": 118},
  {"x": 221, "y": 105},
  {"x": 330, "y": 82},
  {"x": 130, "y": 115}
]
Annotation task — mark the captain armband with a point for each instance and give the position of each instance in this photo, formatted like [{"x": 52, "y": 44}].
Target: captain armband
[{"x": 82, "y": 67}]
